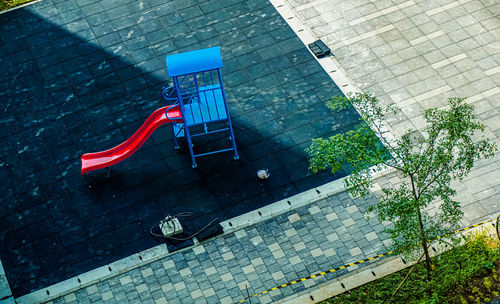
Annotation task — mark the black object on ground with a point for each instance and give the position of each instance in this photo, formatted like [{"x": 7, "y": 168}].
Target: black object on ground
[
  {"x": 210, "y": 231},
  {"x": 173, "y": 245},
  {"x": 319, "y": 48}
]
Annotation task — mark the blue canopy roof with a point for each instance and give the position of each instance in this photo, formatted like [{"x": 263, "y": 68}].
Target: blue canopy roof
[{"x": 195, "y": 61}]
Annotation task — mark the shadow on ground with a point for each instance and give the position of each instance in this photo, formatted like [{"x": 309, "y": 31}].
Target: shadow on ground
[{"x": 82, "y": 76}]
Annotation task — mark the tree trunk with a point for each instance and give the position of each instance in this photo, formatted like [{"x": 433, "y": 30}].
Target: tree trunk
[
  {"x": 422, "y": 232},
  {"x": 425, "y": 247}
]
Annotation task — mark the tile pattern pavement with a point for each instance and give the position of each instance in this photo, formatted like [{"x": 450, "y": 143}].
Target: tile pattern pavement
[
  {"x": 81, "y": 75},
  {"x": 317, "y": 237},
  {"x": 416, "y": 54}
]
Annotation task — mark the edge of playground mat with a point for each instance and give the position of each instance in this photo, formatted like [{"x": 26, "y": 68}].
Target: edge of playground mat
[{"x": 160, "y": 251}]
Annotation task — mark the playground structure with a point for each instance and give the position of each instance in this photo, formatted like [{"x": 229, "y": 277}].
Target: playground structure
[{"x": 197, "y": 107}]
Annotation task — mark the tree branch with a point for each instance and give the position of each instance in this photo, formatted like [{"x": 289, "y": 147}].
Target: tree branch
[
  {"x": 428, "y": 150},
  {"x": 422, "y": 190}
]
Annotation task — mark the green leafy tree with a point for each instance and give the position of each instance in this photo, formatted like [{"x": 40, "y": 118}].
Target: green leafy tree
[{"x": 426, "y": 161}]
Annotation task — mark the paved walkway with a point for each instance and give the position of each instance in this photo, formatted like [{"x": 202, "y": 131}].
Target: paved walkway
[
  {"x": 320, "y": 236},
  {"x": 416, "y": 54}
]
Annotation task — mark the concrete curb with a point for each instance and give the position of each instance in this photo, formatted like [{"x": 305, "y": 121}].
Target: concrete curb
[
  {"x": 99, "y": 274},
  {"x": 328, "y": 63},
  {"x": 20, "y": 6}
]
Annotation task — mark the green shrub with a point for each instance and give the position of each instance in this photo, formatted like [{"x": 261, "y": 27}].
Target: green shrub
[
  {"x": 461, "y": 300},
  {"x": 6, "y": 4},
  {"x": 457, "y": 266},
  {"x": 487, "y": 283}
]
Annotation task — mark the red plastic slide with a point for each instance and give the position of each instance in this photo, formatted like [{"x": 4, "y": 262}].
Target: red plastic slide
[{"x": 98, "y": 160}]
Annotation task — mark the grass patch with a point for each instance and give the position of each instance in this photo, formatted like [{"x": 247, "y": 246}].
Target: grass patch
[
  {"x": 7, "y": 4},
  {"x": 465, "y": 274}
]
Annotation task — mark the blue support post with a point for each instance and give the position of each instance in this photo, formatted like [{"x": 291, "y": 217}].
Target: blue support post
[
  {"x": 228, "y": 117},
  {"x": 186, "y": 127}
]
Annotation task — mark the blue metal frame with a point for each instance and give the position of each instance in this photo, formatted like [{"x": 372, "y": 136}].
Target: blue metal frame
[{"x": 200, "y": 94}]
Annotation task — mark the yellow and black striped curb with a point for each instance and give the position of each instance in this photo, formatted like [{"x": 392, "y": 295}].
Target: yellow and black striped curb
[
  {"x": 473, "y": 226},
  {"x": 312, "y": 276},
  {"x": 322, "y": 273}
]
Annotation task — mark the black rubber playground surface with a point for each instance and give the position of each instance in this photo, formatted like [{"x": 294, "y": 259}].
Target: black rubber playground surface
[{"x": 81, "y": 76}]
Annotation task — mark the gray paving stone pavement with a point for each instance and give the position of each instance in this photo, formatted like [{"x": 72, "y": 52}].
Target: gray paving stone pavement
[
  {"x": 416, "y": 54},
  {"x": 288, "y": 247}
]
